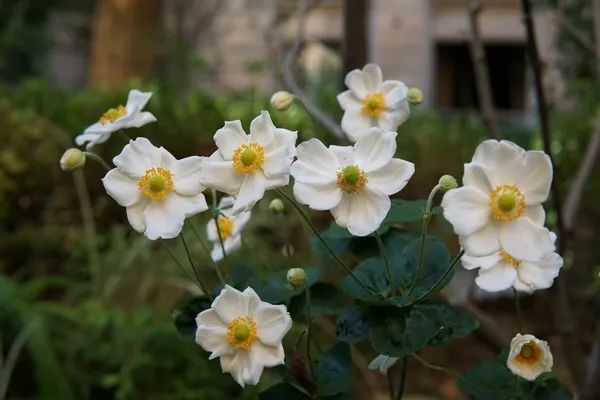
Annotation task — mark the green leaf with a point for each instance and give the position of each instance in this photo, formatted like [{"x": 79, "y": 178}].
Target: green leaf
[
  {"x": 404, "y": 211},
  {"x": 282, "y": 391},
  {"x": 452, "y": 322},
  {"x": 333, "y": 371},
  {"x": 325, "y": 300},
  {"x": 184, "y": 317},
  {"x": 351, "y": 325}
]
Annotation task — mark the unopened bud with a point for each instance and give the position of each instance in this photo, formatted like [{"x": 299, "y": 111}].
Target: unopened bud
[
  {"x": 296, "y": 277},
  {"x": 276, "y": 206},
  {"x": 282, "y": 100},
  {"x": 448, "y": 182},
  {"x": 414, "y": 96},
  {"x": 72, "y": 159}
]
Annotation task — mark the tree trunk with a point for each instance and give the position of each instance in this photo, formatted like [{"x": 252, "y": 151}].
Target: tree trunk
[
  {"x": 125, "y": 42},
  {"x": 355, "y": 47}
]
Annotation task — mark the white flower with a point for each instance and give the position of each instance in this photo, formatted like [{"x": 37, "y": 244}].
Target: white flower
[
  {"x": 354, "y": 182},
  {"x": 157, "y": 190},
  {"x": 230, "y": 227},
  {"x": 382, "y": 363},
  {"x": 500, "y": 270},
  {"x": 372, "y": 103},
  {"x": 130, "y": 116},
  {"x": 499, "y": 206},
  {"x": 245, "y": 332},
  {"x": 529, "y": 357},
  {"x": 244, "y": 166}
]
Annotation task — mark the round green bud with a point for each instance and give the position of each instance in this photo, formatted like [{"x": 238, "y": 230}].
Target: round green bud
[
  {"x": 414, "y": 96},
  {"x": 282, "y": 100},
  {"x": 276, "y": 206},
  {"x": 448, "y": 182},
  {"x": 296, "y": 277},
  {"x": 72, "y": 159}
]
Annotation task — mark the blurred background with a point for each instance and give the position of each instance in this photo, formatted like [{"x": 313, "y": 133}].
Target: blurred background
[{"x": 86, "y": 304}]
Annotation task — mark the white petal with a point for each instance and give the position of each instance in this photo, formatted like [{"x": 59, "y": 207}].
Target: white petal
[
  {"x": 361, "y": 213},
  {"x": 372, "y": 76},
  {"x": 137, "y": 100},
  {"x": 392, "y": 177},
  {"x": 535, "y": 177},
  {"x": 394, "y": 92},
  {"x": 349, "y": 101},
  {"x": 221, "y": 175},
  {"x": 92, "y": 138},
  {"x": 375, "y": 150},
  {"x": 525, "y": 240},
  {"x": 475, "y": 176},
  {"x": 502, "y": 161},
  {"x": 186, "y": 175},
  {"x": 211, "y": 334},
  {"x": 187, "y": 205},
  {"x": 382, "y": 363},
  {"x": 355, "y": 81},
  {"x": 261, "y": 129},
  {"x": 244, "y": 369},
  {"x": 252, "y": 190},
  {"x": 498, "y": 278},
  {"x": 486, "y": 262},
  {"x": 160, "y": 222},
  {"x": 344, "y": 154},
  {"x": 318, "y": 197},
  {"x": 536, "y": 214},
  {"x": 230, "y": 245},
  {"x": 281, "y": 154},
  {"x": 225, "y": 203},
  {"x": 392, "y": 119},
  {"x": 272, "y": 323},
  {"x": 483, "y": 242},
  {"x": 269, "y": 356},
  {"x": 138, "y": 120},
  {"x": 239, "y": 221},
  {"x": 355, "y": 124},
  {"x": 253, "y": 302},
  {"x": 138, "y": 156},
  {"x": 121, "y": 187},
  {"x": 230, "y": 304},
  {"x": 467, "y": 209},
  {"x": 540, "y": 275},
  {"x": 315, "y": 164},
  {"x": 229, "y": 137},
  {"x": 135, "y": 216}
]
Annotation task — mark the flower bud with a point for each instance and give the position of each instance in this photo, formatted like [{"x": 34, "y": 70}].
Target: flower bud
[
  {"x": 282, "y": 100},
  {"x": 448, "y": 182},
  {"x": 414, "y": 96},
  {"x": 276, "y": 206},
  {"x": 296, "y": 277},
  {"x": 72, "y": 159}
]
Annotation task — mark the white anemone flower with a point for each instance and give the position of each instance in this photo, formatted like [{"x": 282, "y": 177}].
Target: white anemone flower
[
  {"x": 371, "y": 102},
  {"x": 354, "y": 182},
  {"x": 120, "y": 117},
  {"x": 245, "y": 332},
  {"x": 499, "y": 271},
  {"x": 230, "y": 227},
  {"x": 500, "y": 205},
  {"x": 244, "y": 166},
  {"x": 529, "y": 357},
  {"x": 382, "y": 363},
  {"x": 157, "y": 190}
]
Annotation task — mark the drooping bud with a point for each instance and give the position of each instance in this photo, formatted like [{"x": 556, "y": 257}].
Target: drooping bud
[
  {"x": 448, "y": 182},
  {"x": 296, "y": 277},
  {"x": 276, "y": 206},
  {"x": 72, "y": 159},
  {"x": 282, "y": 100},
  {"x": 414, "y": 96}
]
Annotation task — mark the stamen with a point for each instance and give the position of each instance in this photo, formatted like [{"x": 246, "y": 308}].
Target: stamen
[
  {"x": 530, "y": 353},
  {"x": 374, "y": 104},
  {"x": 156, "y": 184},
  {"x": 112, "y": 115},
  {"x": 247, "y": 157},
  {"x": 225, "y": 226},
  {"x": 241, "y": 333},
  {"x": 507, "y": 202},
  {"x": 508, "y": 259},
  {"x": 351, "y": 179}
]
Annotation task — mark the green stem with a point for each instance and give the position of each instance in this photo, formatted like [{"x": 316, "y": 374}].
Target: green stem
[
  {"x": 308, "y": 328},
  {"x": 176, "y": 261},
  {"x": 207, "y": 251},
  {"x": 191, "y": 261},
  {"x": 97, "y": 158},
  {"x": 324, "y": 242},
  {"x": 446, "y": 370},
  {"x": 124, "y": 135},
  {"x": 386, "y": 261},
  {"x": 426, "y": 218},
  {"x": 221, "y": 242},
  {"x": 404, "y": 371},
  {"x": 444, "y": 275},
  {"x": 518, "y": 310}
]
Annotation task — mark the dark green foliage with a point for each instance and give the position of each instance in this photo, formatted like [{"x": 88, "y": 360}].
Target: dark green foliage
[
  {"x": 333, "y": 370},
  {"x": 351, "y": 325}
]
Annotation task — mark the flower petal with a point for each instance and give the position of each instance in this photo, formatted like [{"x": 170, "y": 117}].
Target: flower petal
[
  {"x": 230, "y": 304},
  {"x": 482, "y": 242},
  {"x": 375, "y": 150},
  {"x": 229, "y": 137},
  {"x": 392, "y": 177},
  {"x": 161, "y": 222},
  {"x": 244, "y": 369},
  {"x": 138, "y": 120},
  {"x": 536, "y": 214},
  {"x": 138, "y": 156},
  {"x": 270, "y": 356},
  {"x": 121, "y": 187},
  {"x": 349, "y": 101},
  {"x": 344, "y": 155},
  {"x": 230, "y": 245},
  {"x": 485, "y": 262},
  {"x": 135, "y": 215},
  {"x": 92, "y": 138},
  {"x": 467, "y": 209},
  {"x": 137, "y": 100},
  {"x": 186, "y": 205},
  {"x": 355, "y": 124},
  {"x": 502, "y": 161},
  {"x": 186, "y": 175},
  {"x": 372, "y": 76},
  {"x": 318, "y": 197},
  {"x": 211, "y": 334},
  {"x": 362, "y": 213},
  {"x": 272, "y": 323},
  {"x": 498, "y": 278},
  {"x": 392, "y": 119},
  {"x": 315, "y": 164},
  {"x": 525, "y": 240},
  {"x": 220, "y": 175},
  {"x": 252, "y": 190},
  {"x": 395, "y": 93},
  {"x": 535, "y": 177},
  {"x": 261, "y": 129},
  {"x": 281, "y": 154},
  {"x": 355, "y": 81},
  {"x": 541, "y": 274},
  {"x": 475, "y": 176}
]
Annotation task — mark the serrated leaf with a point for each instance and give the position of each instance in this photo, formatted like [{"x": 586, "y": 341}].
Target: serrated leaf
[
  {"x": 333, "y": 371},
  {"x": 351, "y": 326}
]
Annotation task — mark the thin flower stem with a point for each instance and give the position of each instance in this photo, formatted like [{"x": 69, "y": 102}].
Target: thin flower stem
[
  {"x": 216, "y": 218},
  {"x": 386, "y": 261},
  {"x": 324, "y": 242},
  {"x": 176, "y": 261},
  {"x": 443, "y": 369},
  {"x": 124, "y": 135},
  {"x": 97, "y": 158},
  {"x": 308, "y": 328},
  {"x": 444, "y": 275},
  {"x": 191, "y": 261},
  {"x": 207, "y": 251},
  {"x": 403, "y": 372},
  {"x": 518, "y": 310},
  {"x": 426, "y": 218}
]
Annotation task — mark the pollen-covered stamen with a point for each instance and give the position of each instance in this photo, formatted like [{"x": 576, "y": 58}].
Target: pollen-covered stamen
[
  {"x": 374, "y": 104},
  {"x": 156, "y": 184},
  {"x": 112, "y": 115},
  {"x": 241, "y": 333},
  {"x": 225, "y": 226},
  {"x": 351, "y": 179},
  {"x": 508, "y": 259},
  {"x": 507, "y": 202},
  {"x": 530, "y": 353},
  {"x": 247, "y": 157}
]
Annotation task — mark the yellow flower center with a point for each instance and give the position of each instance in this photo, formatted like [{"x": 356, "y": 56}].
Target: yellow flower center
[
  {"x": 374, "y": 104},
  {"x": 112, "y": 115},
  {"x": 507, "y": 202},
  {"x": 156, "y": 184},
  {"x": 247, "y": 157},
  {"x": 530, "y": 353},
  {"x": 225, "y": 226},
  {"x": 351, "y": 179},
  {"x": 508, "y": 259},
  {"x": 241, "y": 332}
]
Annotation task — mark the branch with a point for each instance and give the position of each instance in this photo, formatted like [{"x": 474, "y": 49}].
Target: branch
[
  {"x": 577, "y": 35},
  {"x": 484, "y": 89},
  {"x": 292, "y": 85},
  {"x": 13, "y": 356},
  {"x": 592, "y": 389}
]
